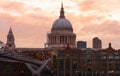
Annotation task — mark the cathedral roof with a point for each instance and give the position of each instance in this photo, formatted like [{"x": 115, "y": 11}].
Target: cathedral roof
[{"x": 62, "y": 23}]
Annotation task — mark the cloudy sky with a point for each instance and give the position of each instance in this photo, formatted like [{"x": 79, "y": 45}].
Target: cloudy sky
[{"x": 31, "y": 20}]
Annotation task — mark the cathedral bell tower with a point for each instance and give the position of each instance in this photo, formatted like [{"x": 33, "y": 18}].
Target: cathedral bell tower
[{"x": 10, "y": 39}]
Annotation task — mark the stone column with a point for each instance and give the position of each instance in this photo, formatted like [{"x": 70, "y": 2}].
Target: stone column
[
  {"x": 50, "y": 40},
  {"x": 53, "y": 39},
  {"x": 63, "y": 39},
  {"x": 68, "y": 39},
  {"x": 57, "y": 39},
  {"x": 72, "y": 40},
  {"x": 60, "y": 40}
]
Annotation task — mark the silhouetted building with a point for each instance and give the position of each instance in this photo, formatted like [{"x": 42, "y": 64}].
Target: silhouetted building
[
  {"x": 97, "y": 43},
  {"x": 81, "y": 44},
  {"x": 10, "y": 39}
]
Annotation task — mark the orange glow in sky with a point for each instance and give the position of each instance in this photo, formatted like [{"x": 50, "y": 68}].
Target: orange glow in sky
[{"x": 32, "y": 19}]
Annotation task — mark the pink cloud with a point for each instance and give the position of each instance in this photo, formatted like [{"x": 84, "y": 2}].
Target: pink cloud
[
  {"x": 12, "y": 6},
  {"x": 31, "y": 27}
]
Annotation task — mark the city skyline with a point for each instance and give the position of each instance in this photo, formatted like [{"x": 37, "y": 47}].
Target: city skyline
[{"x": 31, "y": 21}]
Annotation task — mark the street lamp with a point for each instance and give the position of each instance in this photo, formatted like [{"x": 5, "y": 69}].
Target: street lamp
[
  {"x": 52, "y": 73},
  {"x": 76, "y": 72}
]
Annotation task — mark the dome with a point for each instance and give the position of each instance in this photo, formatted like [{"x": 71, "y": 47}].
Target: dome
[{"x": 62, "y": 24}]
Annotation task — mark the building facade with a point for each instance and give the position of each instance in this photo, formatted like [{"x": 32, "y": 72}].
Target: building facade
[
  {"x": 88, "y": 62},
  {"x": 97, "y": 43},
  {"x": 81, "y": 44},
  {"x": 61, "y": 33}
]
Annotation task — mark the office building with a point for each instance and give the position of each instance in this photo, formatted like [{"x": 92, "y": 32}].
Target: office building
[
  {"x": 97, "y": 43},
  {"x": 81, "y": 44}
]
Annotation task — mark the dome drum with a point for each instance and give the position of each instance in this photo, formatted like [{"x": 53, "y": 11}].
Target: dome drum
[{"x": 61, "y": 39}]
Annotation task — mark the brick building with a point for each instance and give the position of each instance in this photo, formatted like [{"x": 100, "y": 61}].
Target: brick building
[{"x": 88, "y": 62}]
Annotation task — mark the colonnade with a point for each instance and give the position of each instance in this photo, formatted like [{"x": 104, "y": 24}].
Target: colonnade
[{"x": 62, "y": 40}]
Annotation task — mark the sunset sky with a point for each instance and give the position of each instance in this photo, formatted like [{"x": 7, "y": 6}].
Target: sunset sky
[{"x": 31, "y": 20}]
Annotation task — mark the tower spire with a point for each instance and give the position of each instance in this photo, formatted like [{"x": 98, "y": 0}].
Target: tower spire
[
  {"x": 10, "y": 39},
  {"x": 62, "y": 11},
  {"x": 10, "y": 30}
]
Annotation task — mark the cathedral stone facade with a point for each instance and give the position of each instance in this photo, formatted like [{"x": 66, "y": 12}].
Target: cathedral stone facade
[{"x": 61, "y": 33}]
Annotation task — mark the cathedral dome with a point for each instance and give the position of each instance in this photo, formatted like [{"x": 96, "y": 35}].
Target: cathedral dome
[
  {"x": 62, "y": 23},
  {"x": 61, "y": 33}
]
